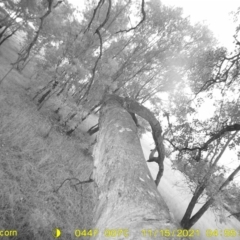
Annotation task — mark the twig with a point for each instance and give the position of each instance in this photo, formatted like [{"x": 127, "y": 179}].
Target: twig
[
  {"x": 101, "y": 44},
  {"x": 70, "y": 179},
  {"x": 143, "y": 18}
]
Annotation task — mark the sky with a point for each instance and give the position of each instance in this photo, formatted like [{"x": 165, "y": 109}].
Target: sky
[{"x": 214, "y": 13}]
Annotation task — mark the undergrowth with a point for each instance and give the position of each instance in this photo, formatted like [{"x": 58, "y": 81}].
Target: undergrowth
[{"x": 36, "y": 157}]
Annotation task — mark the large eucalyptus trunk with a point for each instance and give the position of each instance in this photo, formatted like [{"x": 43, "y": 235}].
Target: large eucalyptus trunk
[{"x": 127, "y": 200}]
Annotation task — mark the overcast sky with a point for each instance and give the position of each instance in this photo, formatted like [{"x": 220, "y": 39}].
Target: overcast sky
[{"x": 215, "y": 13}]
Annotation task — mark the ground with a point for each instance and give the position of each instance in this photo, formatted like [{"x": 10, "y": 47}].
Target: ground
[{"x": 36, "y": 157}]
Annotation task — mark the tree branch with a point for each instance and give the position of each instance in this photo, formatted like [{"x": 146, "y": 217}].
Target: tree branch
[
  {"x": 143, "y": 18},
  {"x": 101, "y": 44},
  {"x": 204, "y": 147},
  {"x": 230, "y": 128},
  {"x": 76, "y": 179},
  {"x": 94, "y": 14}
]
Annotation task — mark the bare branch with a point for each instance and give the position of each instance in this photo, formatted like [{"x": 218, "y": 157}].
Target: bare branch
[
  {"x": 106, "y": 18},
  {"x": 58, "y": 3},
  {"x": 221, "y": 77},
  {"x": 101, "y": 44},
  {"x": 94, "y": 68},
  {"x": 76, "y": 179},
  {"x": 215, "y": 136},
  {"x": 143, "y": 18},
  {"x": 94, "y": 14}
]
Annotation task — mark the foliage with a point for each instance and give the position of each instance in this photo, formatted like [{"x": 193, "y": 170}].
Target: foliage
[
  {"x": 201, "y": 143},
  {"x": 18, "y": 15},
  {"x": 163, "y": 45}
]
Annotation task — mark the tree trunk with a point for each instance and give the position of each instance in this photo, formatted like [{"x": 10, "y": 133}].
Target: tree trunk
[
  {"x": 211, "y": 200},
  {"x": 187, "y": 221},
  {"x": 127, "y": 199}
]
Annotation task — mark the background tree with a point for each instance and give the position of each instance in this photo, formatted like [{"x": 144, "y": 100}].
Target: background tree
[
  {"x": 18, "y": 15},
  {"x": 45, "y": 7},
  {"x": 201, "y": 143}
]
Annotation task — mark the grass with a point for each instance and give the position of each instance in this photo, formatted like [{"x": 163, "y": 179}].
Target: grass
[{"x": 35, "y": 159}]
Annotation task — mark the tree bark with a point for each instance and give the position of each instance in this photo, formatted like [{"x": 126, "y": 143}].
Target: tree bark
[
  {"x": 134, "y": 107},
  {"x": 126, "y": 196}
]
